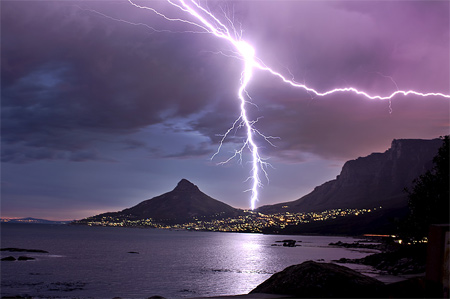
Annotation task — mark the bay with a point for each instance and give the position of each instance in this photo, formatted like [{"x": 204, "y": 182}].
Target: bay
[{"x": 107, "y": 262}]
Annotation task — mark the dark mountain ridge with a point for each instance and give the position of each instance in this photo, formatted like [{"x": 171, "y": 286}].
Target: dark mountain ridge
[{"x": 376, "y": 180}]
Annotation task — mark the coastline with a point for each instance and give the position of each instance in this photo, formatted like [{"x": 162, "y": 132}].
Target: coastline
[{"x": 233, "y": 274}]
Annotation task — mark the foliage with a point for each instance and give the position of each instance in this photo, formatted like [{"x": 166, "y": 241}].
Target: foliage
[{"x": 429, "y": 197}]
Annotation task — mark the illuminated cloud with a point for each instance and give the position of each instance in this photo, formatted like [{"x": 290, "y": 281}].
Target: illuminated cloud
[{"x": 78, "y": 86}]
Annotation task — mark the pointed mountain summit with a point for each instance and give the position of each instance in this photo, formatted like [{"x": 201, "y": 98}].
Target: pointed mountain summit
[
  {"x": 186, "y": 186},
  {"x": 183, "y": 203}
]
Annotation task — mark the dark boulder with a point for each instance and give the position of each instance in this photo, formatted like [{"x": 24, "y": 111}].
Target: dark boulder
[
  {"x": 321, "y": 280},
  {"x": 25, "y": 258},
  {"x": 289, "y": 243},
  {"x": 9, "y": 258}
]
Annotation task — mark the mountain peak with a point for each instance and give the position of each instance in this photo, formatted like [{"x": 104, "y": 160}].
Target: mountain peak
[
  {"x": 184, "y": 185},
  {"x": 180, "y": 204}
]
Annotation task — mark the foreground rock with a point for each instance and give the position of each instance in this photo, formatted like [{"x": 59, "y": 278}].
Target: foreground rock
[{"x": 321, "y": 280}]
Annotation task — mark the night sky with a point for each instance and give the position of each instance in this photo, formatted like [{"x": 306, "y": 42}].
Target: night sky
[{"x": 104, "y": 105}]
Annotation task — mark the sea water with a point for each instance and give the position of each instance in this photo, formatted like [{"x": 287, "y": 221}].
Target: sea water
[{"x": 107, "y": 262}]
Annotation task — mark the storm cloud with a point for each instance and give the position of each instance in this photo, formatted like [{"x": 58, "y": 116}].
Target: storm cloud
[{"x": 105, "y": 82}]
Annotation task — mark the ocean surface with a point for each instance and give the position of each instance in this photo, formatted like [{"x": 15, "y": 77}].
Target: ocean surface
[{"x": 96, "y": 262}]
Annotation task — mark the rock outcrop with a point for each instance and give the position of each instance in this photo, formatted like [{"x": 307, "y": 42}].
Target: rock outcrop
[
  {"x": 402, "y": 260},
  {"x": 25, "y": 258},
  {"x": 321, "y": 280},
  {"x": 9, "y": 259},
  {"x": 20, "y": 258}
]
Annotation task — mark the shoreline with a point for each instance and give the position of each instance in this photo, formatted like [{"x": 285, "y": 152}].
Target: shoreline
[{"x": 88, "y": 283}]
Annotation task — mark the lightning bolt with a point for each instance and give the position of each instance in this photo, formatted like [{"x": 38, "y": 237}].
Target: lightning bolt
[{"x": 209, "y": 23}]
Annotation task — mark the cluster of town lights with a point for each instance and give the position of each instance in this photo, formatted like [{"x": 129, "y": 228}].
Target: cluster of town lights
[{"x": 250, "y": 221}]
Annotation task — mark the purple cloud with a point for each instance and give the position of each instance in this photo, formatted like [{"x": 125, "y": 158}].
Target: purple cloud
[{"x": 80, "y": 84}]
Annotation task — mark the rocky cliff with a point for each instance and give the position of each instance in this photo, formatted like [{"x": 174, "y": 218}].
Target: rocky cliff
[{"x": 376, "y": 180}]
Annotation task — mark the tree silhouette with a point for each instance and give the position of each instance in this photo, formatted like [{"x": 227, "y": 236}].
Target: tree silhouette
[{"x": 429, "y": 197}]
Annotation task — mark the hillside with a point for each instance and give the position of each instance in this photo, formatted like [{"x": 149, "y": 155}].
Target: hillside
[
  {"x": 182, "y": 203},
  {"x": 376, "y": 180}
]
